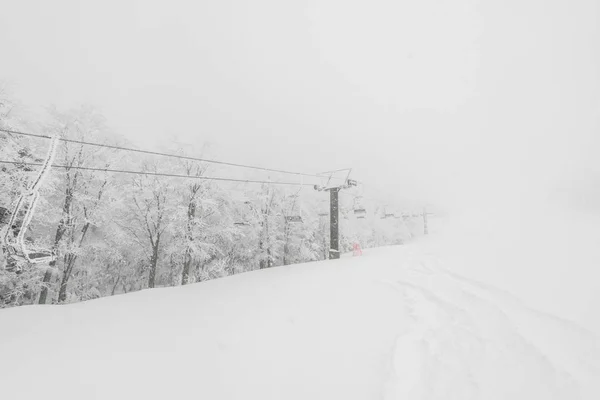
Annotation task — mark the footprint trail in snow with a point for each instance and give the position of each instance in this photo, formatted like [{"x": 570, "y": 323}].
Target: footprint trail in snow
[{"x": 465, "y": 335}]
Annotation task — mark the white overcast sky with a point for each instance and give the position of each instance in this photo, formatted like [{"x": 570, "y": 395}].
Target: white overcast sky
[{"x": 441, "y": 100}]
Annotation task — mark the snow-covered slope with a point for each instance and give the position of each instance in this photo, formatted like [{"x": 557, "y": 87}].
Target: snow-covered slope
[
  {"x": 546, "y": 255},
  {"x": 393, "y": 324}
]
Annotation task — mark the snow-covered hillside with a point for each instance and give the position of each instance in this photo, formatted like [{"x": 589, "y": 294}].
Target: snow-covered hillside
[{"x": 393, "y": 324}]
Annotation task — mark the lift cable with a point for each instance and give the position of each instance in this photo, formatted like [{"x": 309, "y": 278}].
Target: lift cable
[{"x": 122, "y": 171}]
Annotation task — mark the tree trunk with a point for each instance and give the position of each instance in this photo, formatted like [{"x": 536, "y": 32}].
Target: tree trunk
[
  {"x": 261, "y": 262},
  {"x": 46, "y": 282},
  {"x": 153, "y": 263},
  {"x": 187, "y": 259},
  {"x": 269, "y": 261},
  {"x": 62, "y": 291},
  {"x": 69, "y": 264},
  {"x": 286, "y": 246},
  {"x": 187, "y": 263},
  {"x": 269, "y": 258},
  {"x": 112, "y": 293},
  {"x": 286, "y": 234},
  {"x": 60, "y": 231}
]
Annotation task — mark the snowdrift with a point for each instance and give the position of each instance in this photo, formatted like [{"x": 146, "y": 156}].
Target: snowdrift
[{"x": 393, "y": 324}]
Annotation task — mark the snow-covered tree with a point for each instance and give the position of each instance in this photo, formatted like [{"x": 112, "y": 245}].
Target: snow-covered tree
[
  {"x": 149, "y": 215},
  {"x": 115, "y": 233},
  {"x": 79, "y": 194}
]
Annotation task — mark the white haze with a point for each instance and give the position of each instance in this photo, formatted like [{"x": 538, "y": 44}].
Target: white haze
[
  {"x": 452, "y": 103},
  {"x": 473, "y": 106}
]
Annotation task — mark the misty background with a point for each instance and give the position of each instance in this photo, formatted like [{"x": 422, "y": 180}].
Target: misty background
[
  {"x": 490, "y": 111},
  {"x": 435, "y": 100}
]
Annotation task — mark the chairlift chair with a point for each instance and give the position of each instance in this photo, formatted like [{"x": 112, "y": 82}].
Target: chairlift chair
[
  {"x": 359, "y": 211},
  {"x": 323, "y": 208},
  {"x": 294, "y": 218},
  {"x": 14, "y": 243},
  {"x": 242, "y": 220},
  {"x": 386, "y": 214}
]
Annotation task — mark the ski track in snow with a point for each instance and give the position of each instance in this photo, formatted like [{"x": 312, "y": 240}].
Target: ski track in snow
[
  {"x": 429, "y": 359},
  {"x": 514, "y": 309},
  {"x": 466, "y": 335}
]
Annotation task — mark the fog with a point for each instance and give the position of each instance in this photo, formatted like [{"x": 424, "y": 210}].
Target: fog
[{"x": 454, "y": 104}]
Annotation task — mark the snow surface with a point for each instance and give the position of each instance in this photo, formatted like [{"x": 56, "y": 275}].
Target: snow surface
[
  {"x": 546, "y": 255},
  {"x": 395, "y": 323}
]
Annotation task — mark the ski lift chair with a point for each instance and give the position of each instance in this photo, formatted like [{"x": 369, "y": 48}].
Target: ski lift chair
[
  {"x": 294, "y": 219},
  {"x": 359, "y": 209},
  {"x": 386, "y": 214},
  {"x": 323, "y": 209},
  {"x": 14, "y": 243},
  {"x": 16, "y": 246},
  {"x": 360, "y": 212}
]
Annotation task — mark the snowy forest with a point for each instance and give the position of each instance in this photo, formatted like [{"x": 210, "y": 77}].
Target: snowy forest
[{"x": 114, "y": 233}]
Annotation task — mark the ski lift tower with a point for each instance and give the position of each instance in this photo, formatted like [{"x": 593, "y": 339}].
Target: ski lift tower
[
  {"x": 333, "y": 182},
  {"x": 425, "y": 218}
]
